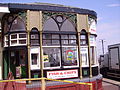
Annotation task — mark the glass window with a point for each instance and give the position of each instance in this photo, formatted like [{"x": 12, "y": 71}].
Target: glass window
[
  {"x": 93, "y": 55},
  {"x": 18, "y": 25},
  {"x": 50, "y": 25},
  {"x": 51, "y": 56},
  {"x": 34, "y": 37},
  {"x": 70, "y": 56},
  {"x": 22, "y": 35},
  {"x": 68, "y": 26},
  {"x": 60, "y": 48},
  {"x": 83, "y": 38}
]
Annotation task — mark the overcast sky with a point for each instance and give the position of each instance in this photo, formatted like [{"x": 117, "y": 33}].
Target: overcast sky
[{"x": 108, "y": 13}]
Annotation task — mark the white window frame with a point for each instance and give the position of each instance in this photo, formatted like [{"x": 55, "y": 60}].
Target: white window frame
[
  {"x": 18, "y": 38},
  {"x": 35, "y": 50},
  {"x": 87, "y": 65}
]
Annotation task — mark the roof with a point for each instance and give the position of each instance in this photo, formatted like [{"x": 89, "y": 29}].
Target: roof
[{"x": 48, "y": 7}]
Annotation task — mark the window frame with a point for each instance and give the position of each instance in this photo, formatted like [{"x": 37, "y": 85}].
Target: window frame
[{"x": 18, "y": 39}]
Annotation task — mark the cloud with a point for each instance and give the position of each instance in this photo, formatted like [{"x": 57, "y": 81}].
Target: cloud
[{"x": 113, "y": 5}]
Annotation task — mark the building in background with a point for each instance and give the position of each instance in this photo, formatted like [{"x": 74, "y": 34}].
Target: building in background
[{"x": 52, "y": 41}]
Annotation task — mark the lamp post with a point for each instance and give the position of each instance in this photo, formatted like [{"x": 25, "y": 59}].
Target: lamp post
[{"x": 102, "y": 41}]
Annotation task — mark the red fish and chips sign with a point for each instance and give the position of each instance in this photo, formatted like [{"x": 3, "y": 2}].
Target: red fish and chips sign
[{"x": 62, "y": 74}]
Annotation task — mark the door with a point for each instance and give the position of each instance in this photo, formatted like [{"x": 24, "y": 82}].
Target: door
[
  {"x": 114, "y": 58},
  {"x": 5, "y": 64}
]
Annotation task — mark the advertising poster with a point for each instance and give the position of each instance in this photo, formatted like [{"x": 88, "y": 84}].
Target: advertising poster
[
  {"x": 45, "y": 57},
  {"x": 70, "y": 55}
]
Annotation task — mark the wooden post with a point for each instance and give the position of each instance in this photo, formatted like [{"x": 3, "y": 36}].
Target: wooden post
[
  {"x": 28, "y": 44},
  {"x": 41, "y": 53},
  {"x": 90, "y": 66},
  {"x": 79, "y": 56}
]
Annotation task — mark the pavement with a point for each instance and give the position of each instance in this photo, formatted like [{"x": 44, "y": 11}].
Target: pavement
[{"x": 110, "y": 84}]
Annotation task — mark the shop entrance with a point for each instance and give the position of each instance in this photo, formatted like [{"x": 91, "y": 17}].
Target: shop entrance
[{"x": 15, "y": 63}]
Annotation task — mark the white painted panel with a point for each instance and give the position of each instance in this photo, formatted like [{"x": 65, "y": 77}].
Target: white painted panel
[{"x": 35, "y": 58}]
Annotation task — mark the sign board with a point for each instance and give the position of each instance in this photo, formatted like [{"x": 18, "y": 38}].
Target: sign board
[
  {"x": 62, "y": 74},
  {"x": 18, "y": 71},
  {"x": 92, "y": 26}
]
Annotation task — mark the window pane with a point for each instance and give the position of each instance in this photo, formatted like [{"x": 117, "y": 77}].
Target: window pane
[
  {"x": 72, "y": 36},
  {"x": 69, "y": 56},
  {"x": 55, "y": 36},
  {"x": 13, "y": 42},
  {"x": 68, "y": 26},
  {"x": 82, "y": 37},
  {"x": 51, "y": 57},
  {"x": 83, "y": 42},
  {"x": 14, "y": 36},
  {"x": 6, "y": 42},
  {"x": 73, "y": 42},
  {"x": 22, "y": 41},
  {"x": 92, "y": 55},
  {"x": 34, "y": 42},
  {"x": 55, "y": 42},
  {"x": 34, "y": 58},
  {"x": 18, "y": 25},
  {"x": 50, "y": 25},
  {"x": 34, "y": 36},
  {"x": 64, "y": 41},
  {"x": 46, "y": 42},
  {"x": 64, "y": 36},
  {"x": 22, "y": 35},
  {"x": 46, "y": 36}
]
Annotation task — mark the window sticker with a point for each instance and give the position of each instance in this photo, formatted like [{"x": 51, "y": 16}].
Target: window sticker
[
  {"x": 45, "y": 57},
  {"x": 70, "y": 55}
]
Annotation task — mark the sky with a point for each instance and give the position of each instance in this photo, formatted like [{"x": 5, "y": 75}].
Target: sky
[{"x": 108, "y": 17}]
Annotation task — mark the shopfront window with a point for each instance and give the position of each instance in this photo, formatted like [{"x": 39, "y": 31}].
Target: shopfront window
[
  {"x": 60, "y": 43},
  {"x": 70, "y": 56},
  {"x": 51, "y": 57}
]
